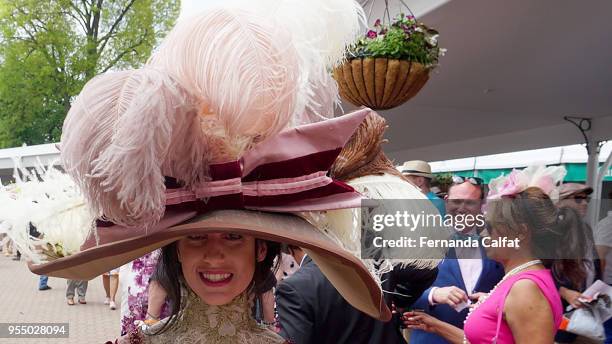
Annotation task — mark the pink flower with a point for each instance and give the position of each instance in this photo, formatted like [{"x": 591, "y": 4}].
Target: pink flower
[
  {"x": 511, "y": 185},
  {"x": 519, "y": 180},
  {"x": 371, "y": 34},
  {"x": 377, "y": 23},
  {"x": 546, "y": 183},
  {"x": 506, "y": 186}
]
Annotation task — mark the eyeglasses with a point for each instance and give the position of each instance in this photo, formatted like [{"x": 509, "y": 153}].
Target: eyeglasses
[
  {"x": 470, "y": 203},
  {"x": 471, "y": 180}
]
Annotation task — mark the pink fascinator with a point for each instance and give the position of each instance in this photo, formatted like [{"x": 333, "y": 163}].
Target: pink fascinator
[{"x": 547, "y": 179}]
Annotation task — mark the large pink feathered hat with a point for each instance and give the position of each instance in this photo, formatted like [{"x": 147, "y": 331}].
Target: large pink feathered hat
[{"x": 218, "y": 132}]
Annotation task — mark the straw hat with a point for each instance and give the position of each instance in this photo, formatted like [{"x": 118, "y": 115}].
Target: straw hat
[{"x": 416, "y": 168}]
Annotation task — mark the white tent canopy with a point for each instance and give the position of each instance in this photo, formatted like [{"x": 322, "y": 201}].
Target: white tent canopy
[
  {"x": 512, "y": 71},
  {"x": 544, "y": 156}
]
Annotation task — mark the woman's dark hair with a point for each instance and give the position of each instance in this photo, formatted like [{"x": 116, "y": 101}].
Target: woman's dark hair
[
  {"x": 169, "y": 274},
  {"x": 558, "y": 235}
]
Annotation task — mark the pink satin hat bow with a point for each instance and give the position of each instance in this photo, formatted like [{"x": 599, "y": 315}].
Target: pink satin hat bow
[{"x": 286, "y": 173}]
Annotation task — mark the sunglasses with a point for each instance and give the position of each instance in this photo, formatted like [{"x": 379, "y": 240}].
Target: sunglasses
[
  {"x": 471, "y": 180},
  {"x": 580, "y": 199}
]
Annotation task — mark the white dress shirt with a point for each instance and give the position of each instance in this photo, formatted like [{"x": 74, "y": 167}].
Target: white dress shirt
[
  {"x": 470, "y": 264},
  {"x": 603, "y": 237}
]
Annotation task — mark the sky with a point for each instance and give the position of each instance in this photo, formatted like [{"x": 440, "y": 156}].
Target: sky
[{"x": 191, "y": 7}]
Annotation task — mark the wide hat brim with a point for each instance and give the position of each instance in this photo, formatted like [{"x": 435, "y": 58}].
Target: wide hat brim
[
  {"x": 420, "y": 174},
  {"x": 568, "y": 190},
  {"x": 118, "y": 245}
]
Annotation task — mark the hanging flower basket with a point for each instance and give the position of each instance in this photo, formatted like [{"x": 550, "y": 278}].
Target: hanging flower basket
[
  {"x": 390, "y": 65},
  {"x": 380, "y": 83}
]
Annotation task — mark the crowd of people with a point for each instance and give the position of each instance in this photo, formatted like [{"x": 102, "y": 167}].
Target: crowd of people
[
  {"x": 457, "y": 301},
  {"x": 491, "y": 276},
  {"x": 215, "y": 187}
]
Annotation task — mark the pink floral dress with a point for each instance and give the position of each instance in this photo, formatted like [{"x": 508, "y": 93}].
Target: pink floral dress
[{"x": 134, "y": 278}]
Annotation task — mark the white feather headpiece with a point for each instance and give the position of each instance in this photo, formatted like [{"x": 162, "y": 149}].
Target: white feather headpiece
[{"x": 548, "y": 179}]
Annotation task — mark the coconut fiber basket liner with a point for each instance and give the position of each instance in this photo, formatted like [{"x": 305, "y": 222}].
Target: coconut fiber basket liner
[{"x": 380, "y": 83}]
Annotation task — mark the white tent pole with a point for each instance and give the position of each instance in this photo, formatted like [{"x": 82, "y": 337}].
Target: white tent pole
[
  {"x": 595, "y": 204},
  {"x": 592, "y": 162},
  {"x": 592, "y": 147}
]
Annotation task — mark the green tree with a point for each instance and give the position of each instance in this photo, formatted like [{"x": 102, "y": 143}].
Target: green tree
[{"x": 50, "y": 49}]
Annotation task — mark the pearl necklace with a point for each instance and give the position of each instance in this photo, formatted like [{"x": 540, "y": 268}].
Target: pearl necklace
[{"x": 487, "y": 295}]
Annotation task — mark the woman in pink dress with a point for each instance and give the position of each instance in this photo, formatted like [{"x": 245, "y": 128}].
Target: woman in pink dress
[{"x": 525, "y": 306}]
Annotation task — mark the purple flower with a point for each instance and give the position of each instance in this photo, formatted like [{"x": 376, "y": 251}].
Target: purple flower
[
  {"x": 137, "y": 265},
  {"x": 127, "y": 325},
  {"x": 371, "y": 34},
  {"x": 377, "y": 23},
  {"x": 132, "y": 300},
  {"x": 139, "y": 281}
]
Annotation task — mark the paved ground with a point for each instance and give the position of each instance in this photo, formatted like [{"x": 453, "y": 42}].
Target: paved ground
[{"x": 21, "y": 301}]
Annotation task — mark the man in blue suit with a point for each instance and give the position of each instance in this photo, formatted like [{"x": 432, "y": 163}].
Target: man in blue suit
[{"x": 464, "y": 272}]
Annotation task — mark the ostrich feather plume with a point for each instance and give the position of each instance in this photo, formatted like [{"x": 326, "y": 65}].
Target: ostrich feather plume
[
  {"x": 124, "y": 133},
  {"x": 241, "y": 67},
  {"x": 321, "y": 30}
]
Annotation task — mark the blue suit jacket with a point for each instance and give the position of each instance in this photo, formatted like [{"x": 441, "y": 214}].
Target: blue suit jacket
[{"x": 449, "y": 274}]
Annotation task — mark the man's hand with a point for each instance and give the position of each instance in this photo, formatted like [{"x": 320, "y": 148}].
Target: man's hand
[{"x": 451, "y": 296}]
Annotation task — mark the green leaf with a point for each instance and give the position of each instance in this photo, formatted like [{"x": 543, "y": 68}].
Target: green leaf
[
  {"x": 397, "y": 43},
  {"x": 48, "y": 52}
]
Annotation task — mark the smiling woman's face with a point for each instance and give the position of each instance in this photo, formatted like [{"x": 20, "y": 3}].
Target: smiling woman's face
[{"x": 219, "y": 266}]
